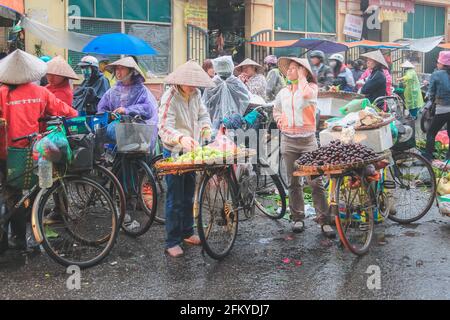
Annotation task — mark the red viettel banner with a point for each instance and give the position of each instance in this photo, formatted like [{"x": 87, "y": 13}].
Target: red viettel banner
[
  {"x": 15, "y": 5},
  {"x": 395, "y": 5}
]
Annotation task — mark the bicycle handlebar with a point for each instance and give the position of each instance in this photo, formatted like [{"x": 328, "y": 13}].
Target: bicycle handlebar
[{"x": 29, "y": 138}]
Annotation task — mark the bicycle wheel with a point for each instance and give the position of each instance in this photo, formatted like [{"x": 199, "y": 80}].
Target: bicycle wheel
[
  {"x": 410, "y": 187},
  {"x": 217, "y": 219},
  {"x": 87, "y": 228},
  {"x": 140, "y": 189},
  {"x": 109, "y": 181},
  {"x": 270, "y": 196},
  {"x": 161, "y": 187},
  {"x": 356, "y": 204}
]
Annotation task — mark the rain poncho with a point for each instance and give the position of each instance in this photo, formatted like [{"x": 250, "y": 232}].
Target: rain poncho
[
  {"x": 135, "y": 98},
  {"x": 229, "y": 97},
  {"x": 413, "y": 93},
  {"x": 275, "y": 82},
  {"x": 90, "y": 92}
]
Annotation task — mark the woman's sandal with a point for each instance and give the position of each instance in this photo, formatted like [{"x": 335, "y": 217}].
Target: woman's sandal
[
  {"x": 175, "y": 252},
  {"x": 193, "y": 241}
]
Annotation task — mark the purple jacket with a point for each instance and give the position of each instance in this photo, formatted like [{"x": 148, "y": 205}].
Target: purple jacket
[{"x": 135, "y": 98}]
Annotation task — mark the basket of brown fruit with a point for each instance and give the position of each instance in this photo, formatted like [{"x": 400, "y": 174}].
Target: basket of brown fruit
[{"x": 337, "y": 156}]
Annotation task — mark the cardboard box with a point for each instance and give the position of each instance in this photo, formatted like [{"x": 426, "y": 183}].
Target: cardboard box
[{"x": 377, "y": 139}]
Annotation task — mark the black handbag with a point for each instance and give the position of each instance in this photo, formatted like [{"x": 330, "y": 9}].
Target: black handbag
[{"x": 428, "y": 113}]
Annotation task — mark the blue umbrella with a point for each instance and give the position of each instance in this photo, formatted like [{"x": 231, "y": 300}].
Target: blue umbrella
[{"x": 119, "y": 43}]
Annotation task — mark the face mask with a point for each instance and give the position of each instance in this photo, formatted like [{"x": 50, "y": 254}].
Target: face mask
[
  {"x": 291, "y": 82},
  {"x": 333, "y": 64},
  {"x": 87, "y": 72}
]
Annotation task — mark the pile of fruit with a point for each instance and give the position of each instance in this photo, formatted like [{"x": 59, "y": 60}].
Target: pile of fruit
[
  {"x": 201, "y": 155},
  {"x": 337, "y": 153}
]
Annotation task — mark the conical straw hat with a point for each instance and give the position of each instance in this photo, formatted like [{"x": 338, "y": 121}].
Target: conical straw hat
[
  {"x": 284, "y": 62},
  {"x": 127, "y": 62},
  {"x": 20, "y": 67},
  {"x": 408, "y": 64},
  {"x": 190, "y": 74},
  {"x": 248, "y": 62},
  {"x": 59, "y": 67},
  {"x": 376, "y": 56}
]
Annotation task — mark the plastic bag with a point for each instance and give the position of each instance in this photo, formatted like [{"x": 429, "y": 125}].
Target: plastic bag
[
  {"x": 443, "y": 187},
  {"x": 354, "y": 106},
  {"x": 55, "y": 147},
  {"x": 348, "y": 135},
  {"x": 444, "y": 204},
  {"x": 223, "y": 144}
]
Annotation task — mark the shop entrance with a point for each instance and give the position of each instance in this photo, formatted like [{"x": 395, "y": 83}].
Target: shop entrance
[{"x": 226, "y": 21}]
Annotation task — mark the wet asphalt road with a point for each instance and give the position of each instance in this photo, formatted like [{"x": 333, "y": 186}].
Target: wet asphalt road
[{"x": 414, "y": 263}]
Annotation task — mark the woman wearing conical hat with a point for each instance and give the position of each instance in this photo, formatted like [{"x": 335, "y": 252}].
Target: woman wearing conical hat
[
  {"x": 22, "y": 104},
  {"x": 184, "y": 122},
  {"x": 376, "y": 84},
  {"x": 413, "y": 93},
  {"x": 129, "y": 96},
  {"x": 59, "y": 74},
  {"x": 295, "y": 113},
  {"x": 252, "y": 75}
]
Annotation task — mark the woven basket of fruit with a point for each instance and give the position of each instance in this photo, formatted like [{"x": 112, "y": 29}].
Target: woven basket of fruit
[
  {"x": 340, "y": 95},
  {"x": 370, "y": 121},
  {"x": 336, "y": 158},
  {"x": 202, "y": 159}
]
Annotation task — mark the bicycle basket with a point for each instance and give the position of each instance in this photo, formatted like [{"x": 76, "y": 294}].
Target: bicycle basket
[
  {"x": 134, "y": 137},
  {"x": 20, "y": 168},
  {"x": 83, "y": 152}
]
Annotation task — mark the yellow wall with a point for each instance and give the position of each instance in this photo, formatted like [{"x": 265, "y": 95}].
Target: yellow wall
[
  {"x": 179, "y": 34},
  {"x": 49, "y": 12},
  {"x": 259, "y": 16}
]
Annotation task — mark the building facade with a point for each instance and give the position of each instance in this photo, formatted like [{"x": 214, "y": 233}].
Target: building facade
[{"x": 199, "y": 29}]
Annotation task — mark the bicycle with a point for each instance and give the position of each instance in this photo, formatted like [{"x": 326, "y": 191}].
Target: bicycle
[
  {"x": 221, "y": 194},
  {"x": 270, "y": 192},
  {"x": 129, "y": 162},
  {"x": 87, "y": 228},
  {"x": 406, "y": 190}
]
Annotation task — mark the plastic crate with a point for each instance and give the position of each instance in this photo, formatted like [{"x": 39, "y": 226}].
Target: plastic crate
[{"x": 76, "y": 126}]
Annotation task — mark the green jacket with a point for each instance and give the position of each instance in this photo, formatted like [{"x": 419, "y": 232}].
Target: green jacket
[{"x": 413, "y": 94}]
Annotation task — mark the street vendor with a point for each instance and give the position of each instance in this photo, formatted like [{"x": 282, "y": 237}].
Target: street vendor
[
  {"x": 413, "y": 94},
  {"x": 251, "y": 74},
  {"x": 229, "y": 99},
  {"x": 376, "y": 84},
  {"x": 130, "y": 96},
  {"x": 274, "y": 78},
  {"x": 90, "y": 92},
  {"x": 322, "y": 72},
  {"x": 184, "y": 124},
  {"x": 59, "y": 74},
  {"x": 342, "y": 76},
  {"x": 295, "y": 114},
  {"x": 22, "y": 104}
]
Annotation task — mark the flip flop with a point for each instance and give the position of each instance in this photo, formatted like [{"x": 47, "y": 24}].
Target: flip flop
[{"x": 193, "y": 241}]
